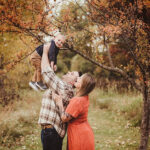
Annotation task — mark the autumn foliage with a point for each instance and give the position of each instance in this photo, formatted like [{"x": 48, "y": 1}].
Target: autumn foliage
[
  {"x": 29, "y": 18},
  {"x": 123, "y": 28},
  {"x": 113, "y": 34}
]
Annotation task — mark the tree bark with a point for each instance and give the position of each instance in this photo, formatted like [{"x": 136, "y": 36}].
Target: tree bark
[{"x": 145, "y": 119}]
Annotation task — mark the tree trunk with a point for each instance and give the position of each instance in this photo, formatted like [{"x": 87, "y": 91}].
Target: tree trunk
[{"x": 145, "y": 119}]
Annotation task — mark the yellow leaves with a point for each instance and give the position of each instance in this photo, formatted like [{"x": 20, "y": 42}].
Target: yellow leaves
[
  {"x": 138, "y": 73},
  {"x": 147, "y": 3},
  {"x": 14, "y": 61},
  {"x": 111, "y": 30},
  {"x": 50, "y": 12},
  {"x": 2, "y": 71},
  {"x": 9, "y": 66},
  {"x": 99, "y": 58},
  {"x": 1, "y": 8}
]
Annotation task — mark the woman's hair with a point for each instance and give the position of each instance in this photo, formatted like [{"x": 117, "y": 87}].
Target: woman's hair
[{"x": 87, "y": 85}]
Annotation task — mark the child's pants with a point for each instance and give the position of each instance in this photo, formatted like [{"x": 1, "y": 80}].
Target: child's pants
[{"x": 36, "y": 62}]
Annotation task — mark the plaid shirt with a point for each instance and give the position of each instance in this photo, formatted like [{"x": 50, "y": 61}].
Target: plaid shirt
[{"x": 49, "y": 113}]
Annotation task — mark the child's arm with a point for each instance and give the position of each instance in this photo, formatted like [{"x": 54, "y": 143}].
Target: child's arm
[
  {"x": 51, "y": 53},
  {"x": 52, "y": 65},
  {"x": 55, "y": 67}
]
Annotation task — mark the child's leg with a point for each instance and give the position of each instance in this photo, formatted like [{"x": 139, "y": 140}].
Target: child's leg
[
  {"x": 34, "y": 78},
  {"x": 36, "y": 62},
  {"x": 38, "y": 70},
  {"x": 37, "y": 77}
]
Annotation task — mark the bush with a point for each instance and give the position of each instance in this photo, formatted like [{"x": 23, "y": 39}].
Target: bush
[{"x": 8, "y": 92}]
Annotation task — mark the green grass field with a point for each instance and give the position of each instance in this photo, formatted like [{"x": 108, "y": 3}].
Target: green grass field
[{"x": 113, "y": 117}]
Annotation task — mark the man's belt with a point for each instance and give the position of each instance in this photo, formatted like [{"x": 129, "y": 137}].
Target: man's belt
[{"x": 46, "y": 126}]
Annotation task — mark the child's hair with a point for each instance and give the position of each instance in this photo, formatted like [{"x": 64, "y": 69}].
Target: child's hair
[{"x": 59, "y": 34}]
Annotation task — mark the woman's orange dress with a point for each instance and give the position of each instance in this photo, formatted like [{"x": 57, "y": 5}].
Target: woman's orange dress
[{"x": 80, "y": 134}]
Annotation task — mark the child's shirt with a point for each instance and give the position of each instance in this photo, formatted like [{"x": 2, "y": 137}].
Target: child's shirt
[{"x": 52, "y": 54}]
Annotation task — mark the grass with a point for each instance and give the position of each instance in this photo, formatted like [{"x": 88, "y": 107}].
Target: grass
[{"x": 111, "y": 115}]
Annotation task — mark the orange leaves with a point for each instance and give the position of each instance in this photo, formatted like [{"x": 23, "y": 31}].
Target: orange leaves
[
  {"x": 2, "y": 71},
  {"x": 67, "y": 16},
  {"x": 98, "y": 3},
  {"x": 50, "y": 12},
  {"x": 19, "y": 55},
  {"x": 99, "y": 58},
  {"x": 112, "y": 30},
  {"x": 10, "y": 66},
  {"x": 106, "y": 15},
  {"x": 22, "y": 15},
  {"x": 39, "y": 18},
  {"x": 147, "y": 3}
]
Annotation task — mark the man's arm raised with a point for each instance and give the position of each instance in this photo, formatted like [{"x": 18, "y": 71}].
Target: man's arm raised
[{"x": 52, "y": 81}]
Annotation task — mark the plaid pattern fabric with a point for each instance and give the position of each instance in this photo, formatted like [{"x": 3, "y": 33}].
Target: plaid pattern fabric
[{"x": 49, "y": 113}]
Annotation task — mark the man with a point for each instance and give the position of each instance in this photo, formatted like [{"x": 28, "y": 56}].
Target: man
[{"x": 53, "y": 129}]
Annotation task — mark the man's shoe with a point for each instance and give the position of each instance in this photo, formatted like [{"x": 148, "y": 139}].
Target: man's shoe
[
  {"x": 41, "y": 86},
  {"x": 33, "y": 85}
]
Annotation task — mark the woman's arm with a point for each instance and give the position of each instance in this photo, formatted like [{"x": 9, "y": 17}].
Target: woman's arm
[{"x": 65, "y": 117}]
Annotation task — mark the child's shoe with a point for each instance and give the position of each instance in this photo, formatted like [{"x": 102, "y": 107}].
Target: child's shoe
[
  {"x": 33, "y": 85},
  {"x": 41, "y": 85}
]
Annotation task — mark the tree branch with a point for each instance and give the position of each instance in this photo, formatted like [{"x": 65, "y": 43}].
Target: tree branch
[{"x": 113, "y": 69}]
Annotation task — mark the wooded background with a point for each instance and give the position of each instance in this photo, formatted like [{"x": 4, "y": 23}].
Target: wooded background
[{"x": 110, "y": 39}]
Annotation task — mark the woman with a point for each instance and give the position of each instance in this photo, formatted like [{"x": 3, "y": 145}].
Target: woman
[{"x": 80, "y": 134}]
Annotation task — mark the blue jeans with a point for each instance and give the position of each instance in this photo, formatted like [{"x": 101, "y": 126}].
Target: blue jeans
[{"x": 50, "y": 139}]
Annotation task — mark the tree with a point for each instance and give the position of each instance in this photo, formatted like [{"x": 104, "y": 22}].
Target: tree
[
  {"x": 121, "y": 23},
  {"x": 21, "y": 22},
  {"x": 125, "y": 23},
  {"x": 25, "y": 18}
]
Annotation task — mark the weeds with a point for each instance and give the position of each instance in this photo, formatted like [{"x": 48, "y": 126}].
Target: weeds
[{"x": 126, "y": 104}]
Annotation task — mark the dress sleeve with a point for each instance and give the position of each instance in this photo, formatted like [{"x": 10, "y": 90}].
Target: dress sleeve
[{"x": 75, "y": 107}]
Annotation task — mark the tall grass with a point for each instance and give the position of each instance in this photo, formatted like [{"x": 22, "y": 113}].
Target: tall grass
[
  {"x": 17, "y": 119},
  {"x": 111, "y": 115},
  {"x": 127, "y": 104}
]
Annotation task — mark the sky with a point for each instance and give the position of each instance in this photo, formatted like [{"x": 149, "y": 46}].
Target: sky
[{"x": 58, "y": 4}]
